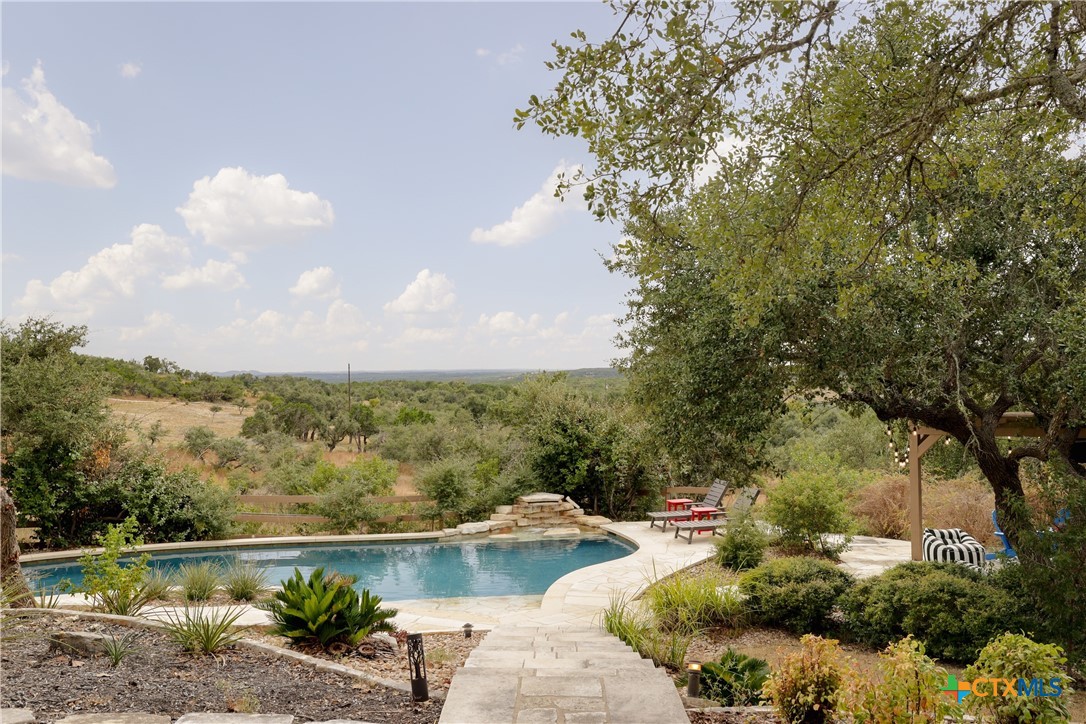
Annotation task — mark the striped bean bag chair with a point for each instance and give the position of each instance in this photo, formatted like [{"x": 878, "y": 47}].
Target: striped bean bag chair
[{"x": 953, "y": 545}]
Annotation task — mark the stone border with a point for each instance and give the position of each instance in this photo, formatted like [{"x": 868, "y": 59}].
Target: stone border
[
  {"x": 276, "y": 651},
  {"x": 231, "y": 543}
]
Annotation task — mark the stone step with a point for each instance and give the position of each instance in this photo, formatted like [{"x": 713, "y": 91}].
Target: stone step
[
  {"x": 217, "y": 718},
  {"x": 129, "y": 718},
  {"x": 576, "y": 675},
  {"x": 544, "y": 652},
  {"x": 611, "y": 661}
]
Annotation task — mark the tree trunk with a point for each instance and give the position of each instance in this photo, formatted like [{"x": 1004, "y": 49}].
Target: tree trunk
[
  {"x": 1002, "y": 475},
  {"x": 11, "y": 576}
]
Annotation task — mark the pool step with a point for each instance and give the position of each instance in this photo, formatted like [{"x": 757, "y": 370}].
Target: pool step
[{"x": 565, "y": 675}]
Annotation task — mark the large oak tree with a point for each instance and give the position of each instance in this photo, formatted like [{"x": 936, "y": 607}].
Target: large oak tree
[{"x": 883, "y": 203}]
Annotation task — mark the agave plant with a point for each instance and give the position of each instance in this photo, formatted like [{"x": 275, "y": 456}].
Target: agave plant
[
  {"x": 326, "y": 609},
  {"x": 735, "y": 680}
]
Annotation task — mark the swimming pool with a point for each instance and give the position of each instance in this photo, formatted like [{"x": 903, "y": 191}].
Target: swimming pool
[{"x": 404, "y": 570}]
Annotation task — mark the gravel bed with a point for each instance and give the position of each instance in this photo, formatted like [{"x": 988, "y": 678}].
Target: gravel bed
[{"x": 158, "y": 678}]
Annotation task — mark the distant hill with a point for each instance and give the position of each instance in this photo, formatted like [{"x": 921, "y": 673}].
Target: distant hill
[{"x": 491, "y": 376}]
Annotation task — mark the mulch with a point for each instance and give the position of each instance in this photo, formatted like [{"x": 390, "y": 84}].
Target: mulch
[{"x": 159, "y": 678}]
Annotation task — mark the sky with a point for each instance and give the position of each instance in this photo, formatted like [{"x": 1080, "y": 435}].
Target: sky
[{"x": 300, "y": 186}]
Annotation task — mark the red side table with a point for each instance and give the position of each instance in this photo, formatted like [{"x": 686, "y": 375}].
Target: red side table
[
  {"x": 678, "y": 503},
  {"x": 702, "y": 512}
]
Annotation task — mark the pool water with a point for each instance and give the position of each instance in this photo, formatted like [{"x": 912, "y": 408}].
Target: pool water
[{"x": 403, "y": 571}]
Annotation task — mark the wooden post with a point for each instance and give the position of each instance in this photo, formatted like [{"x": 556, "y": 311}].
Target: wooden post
[{"x": 920, "y": 441}]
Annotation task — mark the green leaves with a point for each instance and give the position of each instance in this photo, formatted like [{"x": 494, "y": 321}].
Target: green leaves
[{"x": 326, "y": 609}]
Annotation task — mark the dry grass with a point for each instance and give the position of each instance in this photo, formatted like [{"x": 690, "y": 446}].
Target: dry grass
[
  {"x": 965, "y": 503},
  {"x": 177, "y": 416},
  {"x": 882, "y": 509}
]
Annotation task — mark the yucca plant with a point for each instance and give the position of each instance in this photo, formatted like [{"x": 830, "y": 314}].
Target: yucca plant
[
  {"x": 123, "y": 601},
  {"x": 118, "y": 648},
  {"x": 199, "y": 581},
  {"x": 735, "y": 680},
  {"x": 47, "y": 597},
  {"x": 15, "y": 593},
  {"x": 202, "y": 629},
  {"x": 326, "y": 609},
  {"x": 158, "y": 584},
  {"x": 244, "y": 581}
]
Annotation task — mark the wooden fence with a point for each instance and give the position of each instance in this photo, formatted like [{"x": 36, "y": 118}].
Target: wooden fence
[
  {"x": 266, "y": 502},
  {"x": 684, "y": 490}
]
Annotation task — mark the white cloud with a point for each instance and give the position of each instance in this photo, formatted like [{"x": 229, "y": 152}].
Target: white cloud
[
  {"x": 221, "y": 275},
  {"x": 513, "y": 55},
  {"x": 536, "y": 216},
  {"x": 429, "y": 293},
  {"x": 44, "y": 141},
  {"x": 319, "y": 283},
  {"x": 506, "y": 57},
  {"x": 341, "y": 321},
  {"x": 423, "y": 335},
  {"x": 507, "y": 324},
  {"x": 130, "y": 70},
  {"x": 153, "y": 323},
  {"x": 721, "y": 149},
  {"x": 241, "y": 212},
  {"x": 110, "y": 274}
]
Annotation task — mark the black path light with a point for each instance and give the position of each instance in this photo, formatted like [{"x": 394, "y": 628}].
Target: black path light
[
  {"x": 467, "y": 630},
  {"x": 693, "y": 680},
  {"x": 416, "y": 667}
]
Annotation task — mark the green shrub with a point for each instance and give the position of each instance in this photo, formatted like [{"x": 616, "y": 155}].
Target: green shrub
[
  {"x": 346, "y": 489},
  {"x": 244, "y": 581},
  {"x": 949, "y": 607},
  {"x": 909, "y": 689},
  {"x": 1013, "y": 656},
  {"x": 743, "y": 545},
  {"x": 170, "y": 506},
  {"x": 199, "y": 581},
  {"x": 198, "y": 441},
  {"x": 795, "y": 593},
  {"x": 326, "y": 609},
  {"x": 1048, "y": 587},
  {"x": 688, "y": 603},
  {"x": 806, "y": 687},
  {"x": 808, "y": 506},
  {"x": 203, "y": 630},
  {"x": 113, "y": 587},
  {"x": 735, "y": 680}
]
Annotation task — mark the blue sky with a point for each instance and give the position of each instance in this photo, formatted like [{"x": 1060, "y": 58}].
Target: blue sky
[{"x": 292, "y": 186}]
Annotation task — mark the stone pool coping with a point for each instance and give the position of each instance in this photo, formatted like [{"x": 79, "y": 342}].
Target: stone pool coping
[
  {"x": 230, "y": 543},
  {"x": 579, "y": 597}
]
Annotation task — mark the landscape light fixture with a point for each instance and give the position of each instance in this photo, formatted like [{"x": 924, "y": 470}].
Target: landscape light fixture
[
  {"x": 416, "y": 667},
  {"x": 693, "y": 680},
  {"x": 467, "y": 630}
]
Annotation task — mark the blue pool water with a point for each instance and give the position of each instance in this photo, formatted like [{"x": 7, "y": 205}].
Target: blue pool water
[{"x": 404, "y": 571}]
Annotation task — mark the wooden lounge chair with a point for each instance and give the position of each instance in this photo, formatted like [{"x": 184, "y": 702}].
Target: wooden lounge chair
[
  {"x": 712, "y": 498},
  {"x": 744, "y": 499}
]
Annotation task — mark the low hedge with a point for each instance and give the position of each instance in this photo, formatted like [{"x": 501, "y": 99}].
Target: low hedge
[
  {"x": 797, "y": 594},
  {"x": 953, "y": 609}
]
